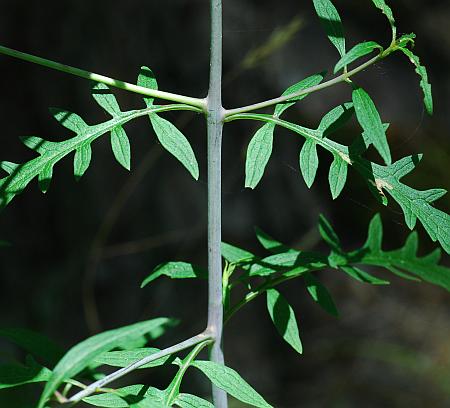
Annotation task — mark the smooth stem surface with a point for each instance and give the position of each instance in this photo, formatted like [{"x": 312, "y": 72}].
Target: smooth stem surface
[
  {"x": 341, "y": 78},
  {"x": 134, "y": 366},
  {"x": 199, "y": 103},
  {"x": 215, "y": 127}
]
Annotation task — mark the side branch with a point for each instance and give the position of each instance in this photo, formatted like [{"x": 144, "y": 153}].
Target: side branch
[
  {"x": 341, "y": 78},
  {"x": 134, "y": 366},
  {"x": 197, "y": 102}
]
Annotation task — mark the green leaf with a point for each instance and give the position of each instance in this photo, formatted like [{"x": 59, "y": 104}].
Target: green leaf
[
  {"x": 127, "y": 357},
  {"x": 337, "y": 176},
  {"x": 424, "y": 83},
  {"x": 123, "y": 397},
  {"x": 9, "y": 167},
  {"x": 370, "y": 121},
  {"x": 235, "y": 255},
  {"x": 106, "y": 99},
  {"x": 328, "y": 234},
  {"x": 415, "y": 204},
  {"x": 192, "y": 401},
  {"x": 34, "y": 343},
  {"x": 121, "y": 147},
  {"x": 283, "y": 317},
  {"x": 175, "y": 143},
  {"x": 358, "y": 51},
  {"x": 270, "y": 243},
  {"x": 362, "y": 276},
  {"x": 309, "y": 162},
  {"x": 70, "y": 120},
  {"x": 381, "y": 180},
  {"x": 258, "y": 155},
  {"x": 291, "y": 262},
  {"x": 319, "y": 293},
  {"x": 387, "y": 11},
  {"x": 335, "y": 119},
  {"x": 81, "y": 355},
  {"x": 230, "y": 381},
  {"x": 82, "y": 160},
  {"x": 331, "y": 21},
  {"x": 404, "y": 259},
  {"x": 14, "y": 375},
  {"x": 299, "y": 86},
  {"x": 45, "y": 178},
  {"x": 175, "y": 270},
  {"x": 147, "y": 79}
]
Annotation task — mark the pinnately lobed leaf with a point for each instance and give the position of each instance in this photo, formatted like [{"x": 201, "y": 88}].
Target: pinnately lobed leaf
[
  {"x": 283, "y": 317},
  {"x": 358, "y": 51},
  {"x": 331, "y": 21},
  {"x": 81, "y": 355},
  {"x": 230, "y": 381},
  {"x": 370, "y": 121}
]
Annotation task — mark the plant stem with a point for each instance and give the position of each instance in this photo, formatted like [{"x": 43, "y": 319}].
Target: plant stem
[
  {"x": 197, "y": 102},
  {"x": 215, "y": 127},
  {"x": 134, "y": 366},
  {"x": 341, "y": 78}
]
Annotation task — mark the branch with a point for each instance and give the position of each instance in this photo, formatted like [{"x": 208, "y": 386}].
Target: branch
[
  {"x": 134, "y": 366},
  {"x": 341, "y": 78},
  {"x": 197, "y": 102}
]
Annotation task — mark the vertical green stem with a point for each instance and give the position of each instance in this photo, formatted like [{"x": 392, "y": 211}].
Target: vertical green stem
[{"x": 215, "y": 125}]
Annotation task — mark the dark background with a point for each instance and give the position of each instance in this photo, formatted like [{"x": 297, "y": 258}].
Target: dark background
[{"x": 79, "y": 253}]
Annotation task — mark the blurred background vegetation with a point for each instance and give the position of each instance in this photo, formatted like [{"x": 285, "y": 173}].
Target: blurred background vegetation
[{"x": 79, "y": 253}]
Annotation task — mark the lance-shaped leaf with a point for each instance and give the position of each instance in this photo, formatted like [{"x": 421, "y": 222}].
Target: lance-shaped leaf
[
  {"x": 283, "y": 317},
  {"x": 306, "y": 83},
  {"x": 175, "y": 143},
  {"x": 320, "y": 294},
  {"x": 424, "y": 83},
  {"x": 258, "y": 155},
  {"x": 121, "y": 147},
  {"x": 122, "y": 397},
  {"x": 309, "y": 162},
  {"x": 106, "y": 99},
  {"x": 38, "y": 345},
  {"x": 175, "y": 270},
  {"x": 270, "y": 243},
  {"x": 230, "y": 381},
  {"x": 328, "y": 234},
  {"x": 386, "y": 10},
  {"x": 147, "y": 79},
  {"x": 337, "y": 176},
  {"x": 127, "y": 357},
  {"x": 15, "y": 374},
  {"x": 82, "y": 160},
  {"x": 370, "y": 121},
  {"x": 332, "y": 23},
  {"x": 192, "y": 401},
  {"x": 358, "y": 51},
  {"x": 362, "y": 276},
  {"x": 45, "y": 177},
  {"x": 81, "y": 355},
  {"x": 235, "y": 255}
]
